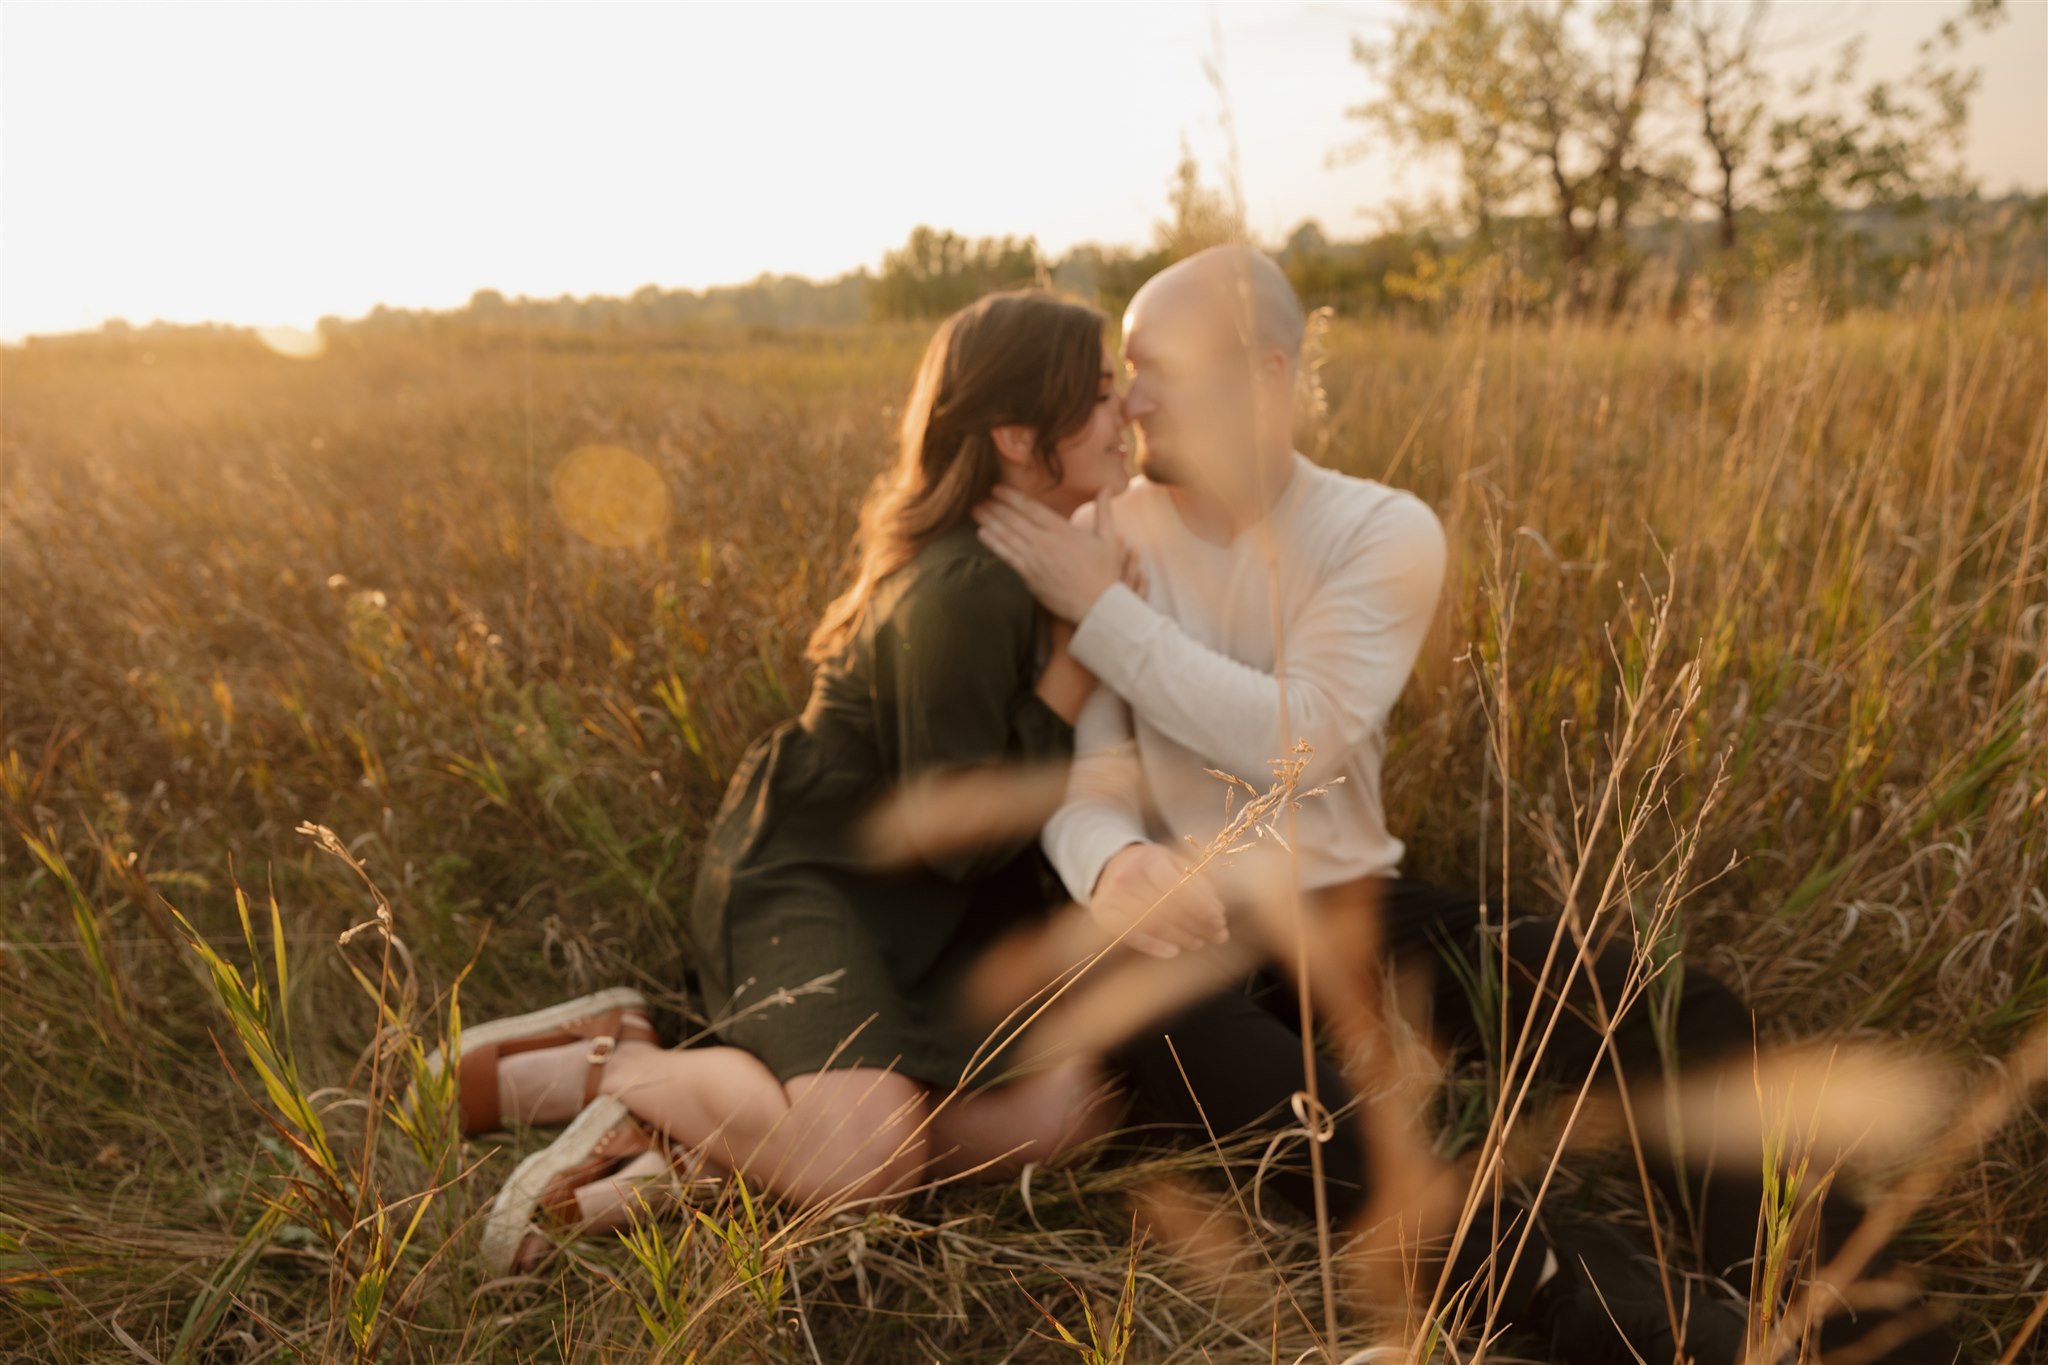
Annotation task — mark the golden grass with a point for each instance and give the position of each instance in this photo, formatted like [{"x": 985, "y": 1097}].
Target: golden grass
[{"x": 246, "y": 591}]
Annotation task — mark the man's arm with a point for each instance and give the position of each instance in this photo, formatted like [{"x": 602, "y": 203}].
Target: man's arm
[
  {"x": 1102, "y": 811},
  {"x": 1349, "y": 651},
  {"x": 1097, "y": 842}
]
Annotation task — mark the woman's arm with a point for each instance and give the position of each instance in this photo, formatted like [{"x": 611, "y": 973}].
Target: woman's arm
[
  {"x": 1064, "y": 685},
  {"x": 952, "y": 656}
]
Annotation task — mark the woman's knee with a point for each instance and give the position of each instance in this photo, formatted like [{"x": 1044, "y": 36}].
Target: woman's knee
[
  {"x": 863, "y": 1133},
  {"x": 1036, "y": 1118},
  {"x": 1073, "y": 1103}
]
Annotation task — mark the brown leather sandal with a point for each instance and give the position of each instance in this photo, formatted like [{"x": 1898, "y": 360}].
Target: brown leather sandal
[
  {"x": 605, "y": 1019},
  {"x": 540, "y": 1196}
]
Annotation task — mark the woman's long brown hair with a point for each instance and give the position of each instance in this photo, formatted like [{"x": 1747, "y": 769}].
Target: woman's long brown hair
[{"x": 1026, "y": 356}]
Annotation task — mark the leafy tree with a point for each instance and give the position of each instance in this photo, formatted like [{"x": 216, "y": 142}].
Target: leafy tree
[
  {"x": 1202, "y": 216},
  {"x": 1590, "y": 112},
  {"x": 935, "y": 272},
  {"x": 1818, "y": 143},
  {"x": 1542, "y": 99}
]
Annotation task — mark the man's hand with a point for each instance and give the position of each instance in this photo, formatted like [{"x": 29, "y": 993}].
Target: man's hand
[
  {"x": 1066, "y": 566},
  {"x": 1145, "y": 885}
]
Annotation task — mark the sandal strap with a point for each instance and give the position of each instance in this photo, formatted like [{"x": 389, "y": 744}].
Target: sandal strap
[
  {"x": 593, "y": 1074},
  {"x": 617, "y": 1024},
  {"x": 557, "y": 1200},
  {"x": 476, "y": 1091},
  {"x": 476, "y": 1075}
]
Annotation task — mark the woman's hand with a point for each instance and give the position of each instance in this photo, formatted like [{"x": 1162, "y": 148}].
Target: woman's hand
[{"x": 1066, "y": 566}]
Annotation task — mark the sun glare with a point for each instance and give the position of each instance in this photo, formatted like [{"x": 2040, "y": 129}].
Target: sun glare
[
  {"x": 610, "y": 496},
  {"x": 296, "y": 343}
]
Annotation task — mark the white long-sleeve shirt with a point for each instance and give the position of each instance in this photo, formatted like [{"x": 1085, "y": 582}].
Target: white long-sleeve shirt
[{"x": 1188, "y": 681}]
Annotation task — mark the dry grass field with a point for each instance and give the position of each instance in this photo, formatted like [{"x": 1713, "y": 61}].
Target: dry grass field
[{"x": 244, "y": 591}]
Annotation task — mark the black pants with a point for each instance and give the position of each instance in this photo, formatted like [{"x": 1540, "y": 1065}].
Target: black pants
[{"x": 1241, "y": 1051}]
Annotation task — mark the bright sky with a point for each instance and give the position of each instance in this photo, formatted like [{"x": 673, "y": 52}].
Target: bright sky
[{"x": 268, "y": 164}]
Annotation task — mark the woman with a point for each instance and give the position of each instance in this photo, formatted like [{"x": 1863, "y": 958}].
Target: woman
[{"x": 937, "y": 658}]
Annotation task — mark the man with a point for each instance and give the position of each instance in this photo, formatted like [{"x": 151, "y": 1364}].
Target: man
[{"x": 1285, "y": 600}]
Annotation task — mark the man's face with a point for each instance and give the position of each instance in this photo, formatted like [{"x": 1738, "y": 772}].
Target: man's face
[{"x": 1191, "y": 391}]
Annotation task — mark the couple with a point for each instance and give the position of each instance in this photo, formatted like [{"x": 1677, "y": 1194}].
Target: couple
[{"x": 999, "y": 615}]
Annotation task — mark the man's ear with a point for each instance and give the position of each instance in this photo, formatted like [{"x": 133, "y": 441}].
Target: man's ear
[{"x": 1014, "y": 442}]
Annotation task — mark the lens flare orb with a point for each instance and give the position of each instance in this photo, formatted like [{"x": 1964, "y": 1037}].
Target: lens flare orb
[{"x": 610, "y": 496}]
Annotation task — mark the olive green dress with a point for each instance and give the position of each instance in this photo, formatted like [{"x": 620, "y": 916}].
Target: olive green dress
[{"x": 940, "y": 673}]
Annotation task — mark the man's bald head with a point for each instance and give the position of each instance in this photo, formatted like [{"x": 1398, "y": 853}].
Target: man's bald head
[
  {"x": 1227, "y": 282},
  {"x": 1214, "y": 348}
]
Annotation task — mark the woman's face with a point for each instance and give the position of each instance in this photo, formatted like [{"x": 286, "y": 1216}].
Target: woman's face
[{"x": 1093, "y": 458}]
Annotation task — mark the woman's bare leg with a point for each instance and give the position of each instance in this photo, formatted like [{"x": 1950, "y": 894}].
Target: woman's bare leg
[
  {"x": 857, "y": 1133},
  {"x": 1033, "y": 1118},
  {"x": 827, "y": 1135},
  {"x": 824, "y": 1135}
]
